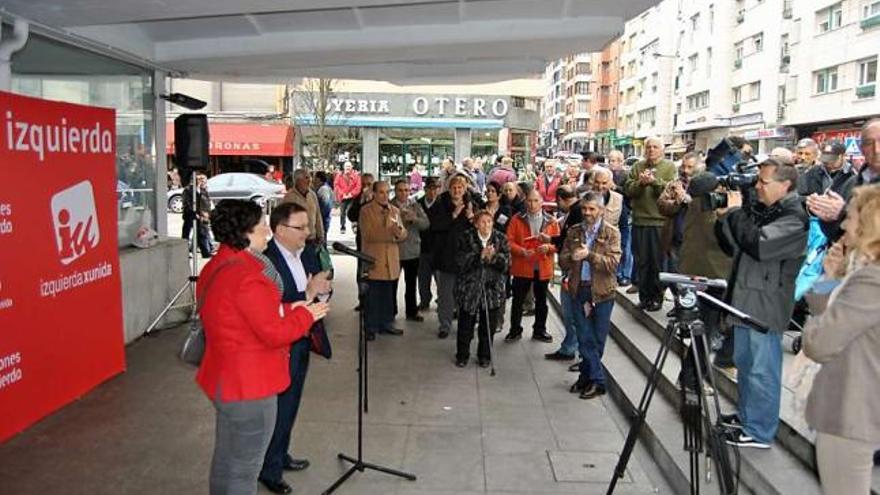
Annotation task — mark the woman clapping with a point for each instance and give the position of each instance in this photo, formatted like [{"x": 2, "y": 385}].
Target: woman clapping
[{"x": 483, "y": 261}]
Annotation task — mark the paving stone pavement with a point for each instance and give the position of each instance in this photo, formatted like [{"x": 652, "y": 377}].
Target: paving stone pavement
[{"x": 461, "y": 431}]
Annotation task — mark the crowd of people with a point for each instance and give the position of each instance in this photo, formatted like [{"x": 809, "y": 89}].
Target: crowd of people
[{"x": 477, "y": 237}]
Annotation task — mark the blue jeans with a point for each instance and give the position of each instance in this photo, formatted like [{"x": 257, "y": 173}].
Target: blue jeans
[
  {"x": 758, "y": 359},
  {"x": 592, "y": 331},
  {"x": 625, "y": 269},
  {"x": 569, "y": 307}
]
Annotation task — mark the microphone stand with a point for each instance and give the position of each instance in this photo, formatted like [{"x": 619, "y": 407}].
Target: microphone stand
[{"x": 358, "y": 463}]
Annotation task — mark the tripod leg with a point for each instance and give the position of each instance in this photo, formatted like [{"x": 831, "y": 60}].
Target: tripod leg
[
  {"x": 390, "y": 471},
  {"x": 341, "y": 480},
  {"x": 642, "y": 411},
  {"x": 168, "y": 306}
]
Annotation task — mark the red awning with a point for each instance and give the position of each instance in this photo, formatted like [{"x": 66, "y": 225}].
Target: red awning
[{"x": 243, "y": 139}]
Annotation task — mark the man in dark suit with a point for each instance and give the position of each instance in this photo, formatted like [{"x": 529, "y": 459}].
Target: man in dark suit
[{"x": 290, "y": 227}]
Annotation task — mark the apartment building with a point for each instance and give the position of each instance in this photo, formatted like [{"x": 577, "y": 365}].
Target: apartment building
[
  {"x": 567, "y": 104},
  {"x": 647, "y": 61},
  {"x": 833, "y": 49},
  {"x": 603, "y": 107}
]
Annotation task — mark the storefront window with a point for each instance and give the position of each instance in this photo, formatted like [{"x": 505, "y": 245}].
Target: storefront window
[
  {"x": 402, "y": 149},
  {"x": 521, "y": 148},
  {"x": 344, "y": 144},
  {"x": 55, "y": 71},
  {"x": 484, "y": 144}
]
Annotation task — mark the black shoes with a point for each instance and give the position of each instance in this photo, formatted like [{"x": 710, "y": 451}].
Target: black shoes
[
  {"x": 592, "y": 392},
  {"x": 576, "y": 367},
  {"x": 558, "y": 356},
  {"x": 484, "y": 363},
  {"x": 296, "y": 464},
  {"x": 415, "y": 318},
  {"x": 371, "y": 336},
  {"x": 424, "y": 306},
  {"x": 579, "y": 387},
  {"x": 731, "y": 421},
  {"x": 461, "y": 363},
  {"x": 651, "y": 305},
  {"x": 392, "y": 331},
  {"x": 443, "y": 333},
  {"x": 280, "y": 486},
  {"x": 512, "y": 336},
  {"x": 542, "y": 336}
]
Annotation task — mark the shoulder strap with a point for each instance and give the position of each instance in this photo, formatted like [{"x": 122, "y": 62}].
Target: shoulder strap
[{"x": 201, "y": 301}]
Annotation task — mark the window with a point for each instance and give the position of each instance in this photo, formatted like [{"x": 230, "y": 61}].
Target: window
[
  {"x": 738, "y": 50},
  {"x": 868, "y": 72},
  {"x": 708, "y": 62},
  {"x": 698, "y": 101},
  {"x": 754, "y": 91},
  {"x": 654, "y": 77},
  {"x": 784, "y": 46},
  {"x": 757, "y": 42},
  {"x": 582, "y": 88},
  {"x": 693, "y": 60},
  {"x": 603, "y": 115},
  {"x": 580, "y": 124},
  {"x": 583, "y": 68},
  {"x": 829, "y": 18},
  {"x": 583, "y": 107},
  {"x": 737, "y": 94},
  {"x": 695, "y": 28},
  {"x": 647, "y": 117},
  {"x": 711, "y": 18},
  {"x": 870, "y": 9},
  {"x": 826, "y": 80}
]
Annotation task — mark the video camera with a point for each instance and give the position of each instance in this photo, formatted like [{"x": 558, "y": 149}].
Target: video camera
[{"x": 734, "y": 171}]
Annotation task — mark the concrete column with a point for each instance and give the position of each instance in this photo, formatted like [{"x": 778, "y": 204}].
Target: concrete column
[
  {"x": 161, "y": 180},
  {"x": 370, "y": 153},
  {"x": 462, "y": 144},
  {"x": 8, "y": 46}
]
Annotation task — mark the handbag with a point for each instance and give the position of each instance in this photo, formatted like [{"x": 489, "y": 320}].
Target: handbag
[
  {"x": 319, "y": 341},
  {"x": 193, "y": 348}
]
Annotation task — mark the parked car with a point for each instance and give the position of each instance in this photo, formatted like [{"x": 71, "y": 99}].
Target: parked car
[{"x": 233, "y": 185}]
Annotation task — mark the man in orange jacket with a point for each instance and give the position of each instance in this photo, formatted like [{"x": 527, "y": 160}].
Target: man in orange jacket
[{"x": 532, "y": 251}]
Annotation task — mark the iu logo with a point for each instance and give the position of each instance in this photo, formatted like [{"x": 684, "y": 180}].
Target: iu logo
[{"x": 76, "y": 221}]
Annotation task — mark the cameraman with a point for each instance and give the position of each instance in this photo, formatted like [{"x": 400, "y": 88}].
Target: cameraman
[{"x": 768, "y": 240}]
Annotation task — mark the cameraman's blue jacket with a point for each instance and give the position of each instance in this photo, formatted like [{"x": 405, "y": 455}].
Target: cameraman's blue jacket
[{"x": 769, "y": 246}]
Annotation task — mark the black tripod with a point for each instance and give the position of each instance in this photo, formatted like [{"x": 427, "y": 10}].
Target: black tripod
[
  {"x": 358, "y": 463},
  {"x": 695, "y": 405}
]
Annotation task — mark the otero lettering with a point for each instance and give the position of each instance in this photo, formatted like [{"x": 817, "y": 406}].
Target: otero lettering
[{"x": 46, "y": 138}]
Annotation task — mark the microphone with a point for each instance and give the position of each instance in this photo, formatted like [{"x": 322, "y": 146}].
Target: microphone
[{"x": 342, "y": 248}]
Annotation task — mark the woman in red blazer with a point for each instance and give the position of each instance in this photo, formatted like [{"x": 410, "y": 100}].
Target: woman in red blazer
[{"x": 248, "y": 333}]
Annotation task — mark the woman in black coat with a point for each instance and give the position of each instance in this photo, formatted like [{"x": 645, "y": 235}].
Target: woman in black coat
[
  {"x": 450, "y": 217},
  {"x": 483, "y": 262}
]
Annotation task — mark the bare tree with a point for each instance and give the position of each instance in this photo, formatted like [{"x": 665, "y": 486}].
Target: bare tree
[{"x": 312, "y": 110}]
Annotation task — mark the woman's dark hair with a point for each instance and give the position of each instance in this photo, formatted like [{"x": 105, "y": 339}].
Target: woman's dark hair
[
  {"x": 233, "y": 219},
  {"x": 321, "y": 176},
  {"x": 495, "y": 185}
]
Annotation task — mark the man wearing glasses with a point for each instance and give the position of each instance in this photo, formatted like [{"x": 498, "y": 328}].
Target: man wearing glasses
[
  {"x": 290, "y": 230},
  {"x": 767, "y": 239}
]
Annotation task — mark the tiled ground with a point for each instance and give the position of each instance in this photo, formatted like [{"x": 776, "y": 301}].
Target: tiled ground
[{"x": 461, "y": 431}]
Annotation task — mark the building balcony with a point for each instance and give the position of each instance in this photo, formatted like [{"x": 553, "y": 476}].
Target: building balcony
[
  {"x": 866, "y": 90},
  {"x": 869, "y": 22}
]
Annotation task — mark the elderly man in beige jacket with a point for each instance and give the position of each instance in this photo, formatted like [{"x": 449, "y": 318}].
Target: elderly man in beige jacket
[
  {"x": 381, "y": 230},
  {"x": 300, "y": 192}
]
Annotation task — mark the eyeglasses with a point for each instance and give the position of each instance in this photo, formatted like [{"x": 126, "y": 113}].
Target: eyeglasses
[{"x": 301, "y": 228}]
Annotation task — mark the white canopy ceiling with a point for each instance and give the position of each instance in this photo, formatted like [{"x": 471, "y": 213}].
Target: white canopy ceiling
[{"x": 403, "y": 41}]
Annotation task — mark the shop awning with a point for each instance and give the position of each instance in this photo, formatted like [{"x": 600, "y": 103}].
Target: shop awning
[{"x": 243, "y": 139}]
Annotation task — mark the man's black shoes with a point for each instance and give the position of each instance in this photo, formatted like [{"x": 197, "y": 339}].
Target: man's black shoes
[
  {"x": 542, "y": 336},
  {"x": 513, "y": 336},
  {"x": 415, "y": 318},
  {"x": 280, "y": 486},
  {"x": 296, "y": 464},
  {"x": 558, "y": 356},
  {"x": 592, "y": 391},
  {"x": 392, "y": 331}
]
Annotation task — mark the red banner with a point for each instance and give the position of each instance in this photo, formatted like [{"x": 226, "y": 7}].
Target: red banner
[{"x": 60, "y": 295}]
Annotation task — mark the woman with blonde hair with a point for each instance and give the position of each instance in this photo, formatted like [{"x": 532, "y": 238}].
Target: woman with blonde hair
[{"x": 845, "y": 339}]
